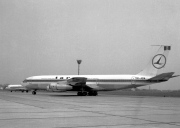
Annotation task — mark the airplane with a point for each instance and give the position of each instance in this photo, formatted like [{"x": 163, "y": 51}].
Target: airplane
[
  {"x": 15, "y": 87},
  {"x": 91, "y": 84}
]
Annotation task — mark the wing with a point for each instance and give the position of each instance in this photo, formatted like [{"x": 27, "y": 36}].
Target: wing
[{"x": 77, "y": 81}]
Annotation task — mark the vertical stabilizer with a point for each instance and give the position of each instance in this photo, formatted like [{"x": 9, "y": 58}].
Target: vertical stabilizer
[{"x": 157, "y": 62}]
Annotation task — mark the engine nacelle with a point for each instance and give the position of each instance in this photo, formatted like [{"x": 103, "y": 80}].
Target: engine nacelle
[{"x": 58, "y": 87}]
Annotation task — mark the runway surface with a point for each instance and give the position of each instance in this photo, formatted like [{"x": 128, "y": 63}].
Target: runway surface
[{"x": 66, "y": 110}]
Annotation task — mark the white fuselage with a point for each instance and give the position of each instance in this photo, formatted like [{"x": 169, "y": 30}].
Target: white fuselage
[
  {"x": 96, "y": 82},
  {"x": 15, "y": 88}
]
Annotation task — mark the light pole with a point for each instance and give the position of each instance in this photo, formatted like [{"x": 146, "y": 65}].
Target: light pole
[{"x": 79, "y": 62}]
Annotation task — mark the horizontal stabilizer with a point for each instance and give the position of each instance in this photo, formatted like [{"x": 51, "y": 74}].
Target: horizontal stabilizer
[
  {"x": 163, "y": 76},
  {"x": 3, "y": 86},
  {"x": 175, "y": 76}
]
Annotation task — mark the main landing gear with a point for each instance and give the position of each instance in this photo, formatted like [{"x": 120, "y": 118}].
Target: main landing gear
[
  {"x": 92, "y": 93},
  {"x": 34, "y": 92},
  {"x": 82, "y": 93}
]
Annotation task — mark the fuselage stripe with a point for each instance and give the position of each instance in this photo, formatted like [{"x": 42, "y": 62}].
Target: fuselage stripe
[{"x": 88, "y": 80}]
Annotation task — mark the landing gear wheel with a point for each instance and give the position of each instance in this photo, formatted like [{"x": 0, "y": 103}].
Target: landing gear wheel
[
  {"x": 34, "y": 92},
  {"x": 82, "y": 93},
  {"x": 93, "y": 93},
  {"x": 27, "y": 91},
  {"x": 79, "y": 93},
  {"x": 89, "y": 93}
]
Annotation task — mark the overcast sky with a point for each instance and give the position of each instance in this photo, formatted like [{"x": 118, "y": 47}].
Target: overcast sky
[{"x": 46, "y": 37}]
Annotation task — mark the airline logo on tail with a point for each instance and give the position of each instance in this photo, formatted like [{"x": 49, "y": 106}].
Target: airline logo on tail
[{"x": 159, "y": 61}]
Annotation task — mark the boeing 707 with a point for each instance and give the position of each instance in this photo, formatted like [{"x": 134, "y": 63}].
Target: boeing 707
[{"x": 91, "y": 84}]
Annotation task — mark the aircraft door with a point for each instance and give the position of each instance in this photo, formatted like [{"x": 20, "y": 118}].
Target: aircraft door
[
  {"x": 96, "y": 81},
  {"x": 133, "y": 80}
]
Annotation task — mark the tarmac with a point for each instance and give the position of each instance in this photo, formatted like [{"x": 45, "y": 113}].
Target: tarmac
[{"x": 66, "y": 110}]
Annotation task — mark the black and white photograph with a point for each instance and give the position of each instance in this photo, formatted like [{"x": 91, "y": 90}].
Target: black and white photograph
[{"x": 89, "y": 63}]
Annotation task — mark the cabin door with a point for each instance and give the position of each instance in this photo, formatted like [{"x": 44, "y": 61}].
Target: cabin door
[{"x": 133, "y": 80}]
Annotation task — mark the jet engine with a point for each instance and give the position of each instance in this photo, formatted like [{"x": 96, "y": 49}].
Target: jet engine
[{"x": 58, "y": 87}]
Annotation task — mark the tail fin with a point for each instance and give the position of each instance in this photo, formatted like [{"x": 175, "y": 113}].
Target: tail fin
[
  {"x": 2, "y": 87},
  {"x": 157, "y": 62}
]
